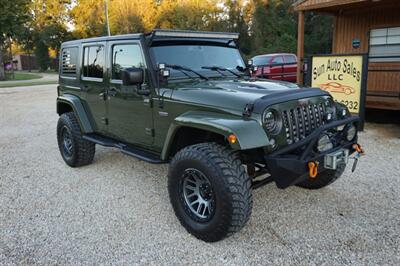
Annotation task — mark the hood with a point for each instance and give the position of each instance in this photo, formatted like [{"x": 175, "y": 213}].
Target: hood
[{"x": 233, "y": 94}]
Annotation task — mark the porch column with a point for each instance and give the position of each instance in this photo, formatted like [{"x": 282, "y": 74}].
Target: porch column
[{"x": 300, "y": 47}]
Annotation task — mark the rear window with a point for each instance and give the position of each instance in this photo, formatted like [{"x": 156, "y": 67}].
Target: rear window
[
  {"x": 261, "y": 60},
  {"x": 291, "y": 59},
  {"x": 69, "y": 60}
]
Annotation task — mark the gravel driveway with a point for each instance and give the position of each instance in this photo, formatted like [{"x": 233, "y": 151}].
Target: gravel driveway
[{"x": 116, "y": 211}]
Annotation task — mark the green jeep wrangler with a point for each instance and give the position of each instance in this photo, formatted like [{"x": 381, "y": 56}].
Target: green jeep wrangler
[{"x": 186, "y": 98}]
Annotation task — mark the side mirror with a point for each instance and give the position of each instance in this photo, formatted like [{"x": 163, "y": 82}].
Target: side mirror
[{"x": 132, "y": 76}]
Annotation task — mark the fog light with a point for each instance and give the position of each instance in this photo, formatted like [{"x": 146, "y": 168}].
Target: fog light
[
  {"x": 344, "y": 112},
  {"x": 328, "y": 116},
  {"x": 351, "y": 133},
  {"x": 324, "y": 144}
]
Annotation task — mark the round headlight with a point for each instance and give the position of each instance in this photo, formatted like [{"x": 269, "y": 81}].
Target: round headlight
[
  {"x": 271, "y": 121},
  {"x": 351, "y": 133}
]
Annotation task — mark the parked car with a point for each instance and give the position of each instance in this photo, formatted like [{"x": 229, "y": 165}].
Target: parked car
[
  {"x": 280, "y": 66},
  {"x": 186, "y": 98}
]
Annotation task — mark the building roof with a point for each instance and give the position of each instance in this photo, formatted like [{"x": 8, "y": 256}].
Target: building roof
[
  {"x": 336, "y": 5},
  {"x": 319, "y": 4}
]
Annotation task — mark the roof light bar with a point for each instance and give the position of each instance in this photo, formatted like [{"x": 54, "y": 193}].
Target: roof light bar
[{"x": 196, "y": 34}]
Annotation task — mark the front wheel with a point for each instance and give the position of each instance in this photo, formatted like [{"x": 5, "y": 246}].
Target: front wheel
[
  {"x": 323, "y": 179},
  {"x": 209, "y": 191}
]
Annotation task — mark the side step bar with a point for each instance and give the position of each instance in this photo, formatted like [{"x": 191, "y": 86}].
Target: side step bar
[{"x": 125, "y": 148}]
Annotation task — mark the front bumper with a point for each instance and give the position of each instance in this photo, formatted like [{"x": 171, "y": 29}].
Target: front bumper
[{"x": 289, "y": 165}]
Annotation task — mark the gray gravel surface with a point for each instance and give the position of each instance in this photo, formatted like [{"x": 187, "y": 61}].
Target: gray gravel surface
[{"x": 116, "y": 211}]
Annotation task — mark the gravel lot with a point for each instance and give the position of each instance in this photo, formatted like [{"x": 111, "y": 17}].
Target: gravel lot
[{"x": 116, "y": 211}]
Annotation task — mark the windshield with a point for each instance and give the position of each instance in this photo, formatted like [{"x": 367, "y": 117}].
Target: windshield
[{"x": 198, "y": 56}]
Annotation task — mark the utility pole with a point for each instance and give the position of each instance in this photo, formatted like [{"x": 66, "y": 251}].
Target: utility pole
[{"x": 107, "y": 21}]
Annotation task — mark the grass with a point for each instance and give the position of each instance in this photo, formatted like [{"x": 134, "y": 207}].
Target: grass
[
  {"x": 51, "y": 71},
  {"x": 23, "y": 79},
  {"x": 25, "y": 76},
  {"x": 26, "y": 84}
]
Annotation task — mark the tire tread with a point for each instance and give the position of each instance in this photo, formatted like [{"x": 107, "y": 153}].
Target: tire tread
[
  {"x": 84, "y": 150},
  {"x": 237, "y": 181}
]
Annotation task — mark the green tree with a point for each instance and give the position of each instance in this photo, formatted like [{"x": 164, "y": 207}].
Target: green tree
[
  {"x": 49, "y": 30},
  {"x": 237, "y": 15},
  {"x": 13, "y": 15},
  {"x": 265, "y": 26},
  {"x": 318, "y": 33},
  {"x": 88, "y": 18},
  {"x": 128, "y": 16},
  {"x": 187, "y": 14},
  {"x": 273, "y": 27}
]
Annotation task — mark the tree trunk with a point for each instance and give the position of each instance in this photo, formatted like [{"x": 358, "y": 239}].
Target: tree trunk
[
  {"x": 2, "y": 73},
  {"x": 12, "y": 60},
  {"x": 29, "y": 62}
]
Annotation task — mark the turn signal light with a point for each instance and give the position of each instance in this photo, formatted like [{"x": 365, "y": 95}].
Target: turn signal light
[{"x": 232, "y": 139}]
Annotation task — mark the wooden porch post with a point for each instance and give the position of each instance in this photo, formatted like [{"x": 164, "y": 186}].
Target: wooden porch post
[{"x": 300, "y": 47}]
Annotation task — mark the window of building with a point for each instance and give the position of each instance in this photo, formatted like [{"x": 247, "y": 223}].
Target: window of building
[
  {"x": 93, "y": 62},
  {"x": 384, "y": 45},
  {"x": 69, "y": 60},
  {"x": 125, "y": 56}
]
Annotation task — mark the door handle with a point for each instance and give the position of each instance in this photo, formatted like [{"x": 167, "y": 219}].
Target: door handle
[{"x": 112, "y": 92}]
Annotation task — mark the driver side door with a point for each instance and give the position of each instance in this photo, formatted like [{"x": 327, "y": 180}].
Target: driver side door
[{"x": 129, "y": 114}]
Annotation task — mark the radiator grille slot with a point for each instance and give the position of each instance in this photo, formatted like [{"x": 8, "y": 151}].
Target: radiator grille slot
[{"x": 301, "y": 121}]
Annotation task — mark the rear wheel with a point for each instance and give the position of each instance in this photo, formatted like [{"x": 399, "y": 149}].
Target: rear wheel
[
  {"x": 323, "y": 179},
  {"x": 73, "y": 148},
  {"x": 209, "y": 191}
]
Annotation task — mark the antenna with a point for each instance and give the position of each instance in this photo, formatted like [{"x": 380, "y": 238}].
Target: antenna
[{"x": 107, "y": 21}]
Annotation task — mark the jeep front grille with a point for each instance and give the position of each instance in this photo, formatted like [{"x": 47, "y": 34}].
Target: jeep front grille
[{"x": 299, "y": 122}]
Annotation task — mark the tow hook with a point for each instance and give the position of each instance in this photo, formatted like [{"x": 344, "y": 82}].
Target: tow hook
[
  {"x": 358, "y": 148},
  {"x": 313, "y": 168},
  {"x": 359, "y": 153}
]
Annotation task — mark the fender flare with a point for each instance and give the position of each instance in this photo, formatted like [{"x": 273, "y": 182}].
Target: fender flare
[
  {"x": 79, "y": 111},
  {"x": 249, "y": 133}
]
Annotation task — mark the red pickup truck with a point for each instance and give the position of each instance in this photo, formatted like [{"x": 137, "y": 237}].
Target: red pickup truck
[{"x": 281, "y": 66}]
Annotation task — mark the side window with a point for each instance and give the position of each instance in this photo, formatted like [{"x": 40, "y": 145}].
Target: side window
[
  {"x": 261, "y": 60},
  {"x": 125, "y": 56},
  {"x": 69, "y": 60},
  {"x": 277, "y": 60},
  {"x": 290, "y": 59},
  {"x": 93, "y": 61}
]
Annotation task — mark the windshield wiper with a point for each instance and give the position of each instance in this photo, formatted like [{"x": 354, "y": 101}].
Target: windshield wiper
[
  {"x": 219, "y": 69},
  {"x": 183, "y": 68}
]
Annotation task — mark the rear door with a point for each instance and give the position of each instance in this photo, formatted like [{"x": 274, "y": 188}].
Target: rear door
[
  {"x": 129, "y": 114},
  {"x": 92, "y": 84},
  {"x": 290, "y": 68},
  {"x": 277, "y": 68}
]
